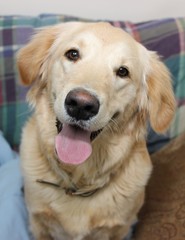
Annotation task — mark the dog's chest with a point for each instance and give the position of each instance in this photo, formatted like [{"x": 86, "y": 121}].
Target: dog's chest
[{"x": 79, "y": 216}]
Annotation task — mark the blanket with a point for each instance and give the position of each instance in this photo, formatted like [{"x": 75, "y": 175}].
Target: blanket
[{"x": 13, "y": 213}]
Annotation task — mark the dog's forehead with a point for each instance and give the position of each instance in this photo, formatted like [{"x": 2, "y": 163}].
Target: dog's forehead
[
  {"x": 97, "y": 36},
  {"x": 100, "y": 39},
  {"x": 105, "y": 32}
]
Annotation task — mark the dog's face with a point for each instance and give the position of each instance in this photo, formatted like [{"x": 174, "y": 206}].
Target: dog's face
[
  {"x": 92, "y": 73},
  {"x": 95, "y": 76}
]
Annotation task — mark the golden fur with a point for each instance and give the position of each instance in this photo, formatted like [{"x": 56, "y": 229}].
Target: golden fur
[{"x": 119, "y": 166}]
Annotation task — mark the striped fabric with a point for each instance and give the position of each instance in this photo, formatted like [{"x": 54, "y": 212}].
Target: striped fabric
[{"x": 166, "y": 36}]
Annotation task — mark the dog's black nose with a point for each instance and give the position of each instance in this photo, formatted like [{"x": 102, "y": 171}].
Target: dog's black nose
[{"x": 81, "y": 105}]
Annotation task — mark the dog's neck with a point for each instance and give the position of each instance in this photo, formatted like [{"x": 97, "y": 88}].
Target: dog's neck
[
  {"x": 73, "y": 191},
  {"x": 86, "y": 184},
  {"x": 83, "y": 180}
]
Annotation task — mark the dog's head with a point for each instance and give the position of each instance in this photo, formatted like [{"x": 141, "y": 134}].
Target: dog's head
[{"x": 94, "y": 76}]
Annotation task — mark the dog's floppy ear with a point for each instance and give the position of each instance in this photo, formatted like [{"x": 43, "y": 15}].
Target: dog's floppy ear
[
  {"x": 31, "y": 57},
  {"x": 160, "y": 95}
]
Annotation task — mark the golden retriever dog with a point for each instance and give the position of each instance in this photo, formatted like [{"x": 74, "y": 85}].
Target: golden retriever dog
[{"x": 84, "y": 156}]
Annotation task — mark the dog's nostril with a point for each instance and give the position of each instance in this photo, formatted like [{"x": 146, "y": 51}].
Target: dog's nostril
[
  {"x": 88, "y": 107},
  {"x": 81, "y": 105},
  {"x": 71, "y": 102}
]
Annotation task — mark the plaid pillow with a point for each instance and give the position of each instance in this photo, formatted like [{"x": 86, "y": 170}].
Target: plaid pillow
[{"x": 166, "y": 36}]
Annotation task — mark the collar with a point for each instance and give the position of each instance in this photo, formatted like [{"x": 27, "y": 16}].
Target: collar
[{"x": 72, "y": 191}]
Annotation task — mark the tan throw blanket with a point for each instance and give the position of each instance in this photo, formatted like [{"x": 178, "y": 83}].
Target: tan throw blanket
[{"x": 163, "y": 215}]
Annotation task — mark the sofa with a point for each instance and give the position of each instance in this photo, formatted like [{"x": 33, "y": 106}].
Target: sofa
[{"x": 165, "y": 36}]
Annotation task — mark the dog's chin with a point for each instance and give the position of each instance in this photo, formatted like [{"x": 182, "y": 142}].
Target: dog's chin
[{"x": 93, "y": 135}]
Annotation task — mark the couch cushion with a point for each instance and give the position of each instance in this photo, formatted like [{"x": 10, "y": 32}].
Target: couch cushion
[{"x": 165, "y": 36}]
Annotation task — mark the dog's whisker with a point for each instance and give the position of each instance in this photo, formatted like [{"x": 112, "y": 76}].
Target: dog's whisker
[
  {"x": 27, "y": 112},
  {"x": 114, "y": 126},
  {"x": 115, "y": 123},
  {"x": 111, "y": 129}
]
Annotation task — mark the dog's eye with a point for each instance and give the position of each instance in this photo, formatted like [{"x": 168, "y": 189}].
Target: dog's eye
[
  {"x": 122, "y": 72},
  {"x": 72, "y": 55}
]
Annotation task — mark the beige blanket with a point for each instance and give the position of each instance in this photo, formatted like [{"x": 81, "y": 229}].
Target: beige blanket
[{"x": 163, "y": 215}]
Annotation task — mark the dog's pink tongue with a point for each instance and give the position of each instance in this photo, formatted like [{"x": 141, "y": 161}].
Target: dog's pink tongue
[{"x": 73, "y": 145}]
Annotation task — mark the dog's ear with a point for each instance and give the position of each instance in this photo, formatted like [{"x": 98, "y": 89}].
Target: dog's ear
[
  {"x": 31, "y": 57},
  {"x": 161, "y": 98}
]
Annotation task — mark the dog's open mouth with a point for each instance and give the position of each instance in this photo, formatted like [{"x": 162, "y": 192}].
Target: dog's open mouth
[
  {"x": 73, "y": 144},
  {"x": 93, "y": 135}
]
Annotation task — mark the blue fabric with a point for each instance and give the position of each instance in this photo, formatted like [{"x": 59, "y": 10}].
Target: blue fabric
[{"x": 13, "y": 214}]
